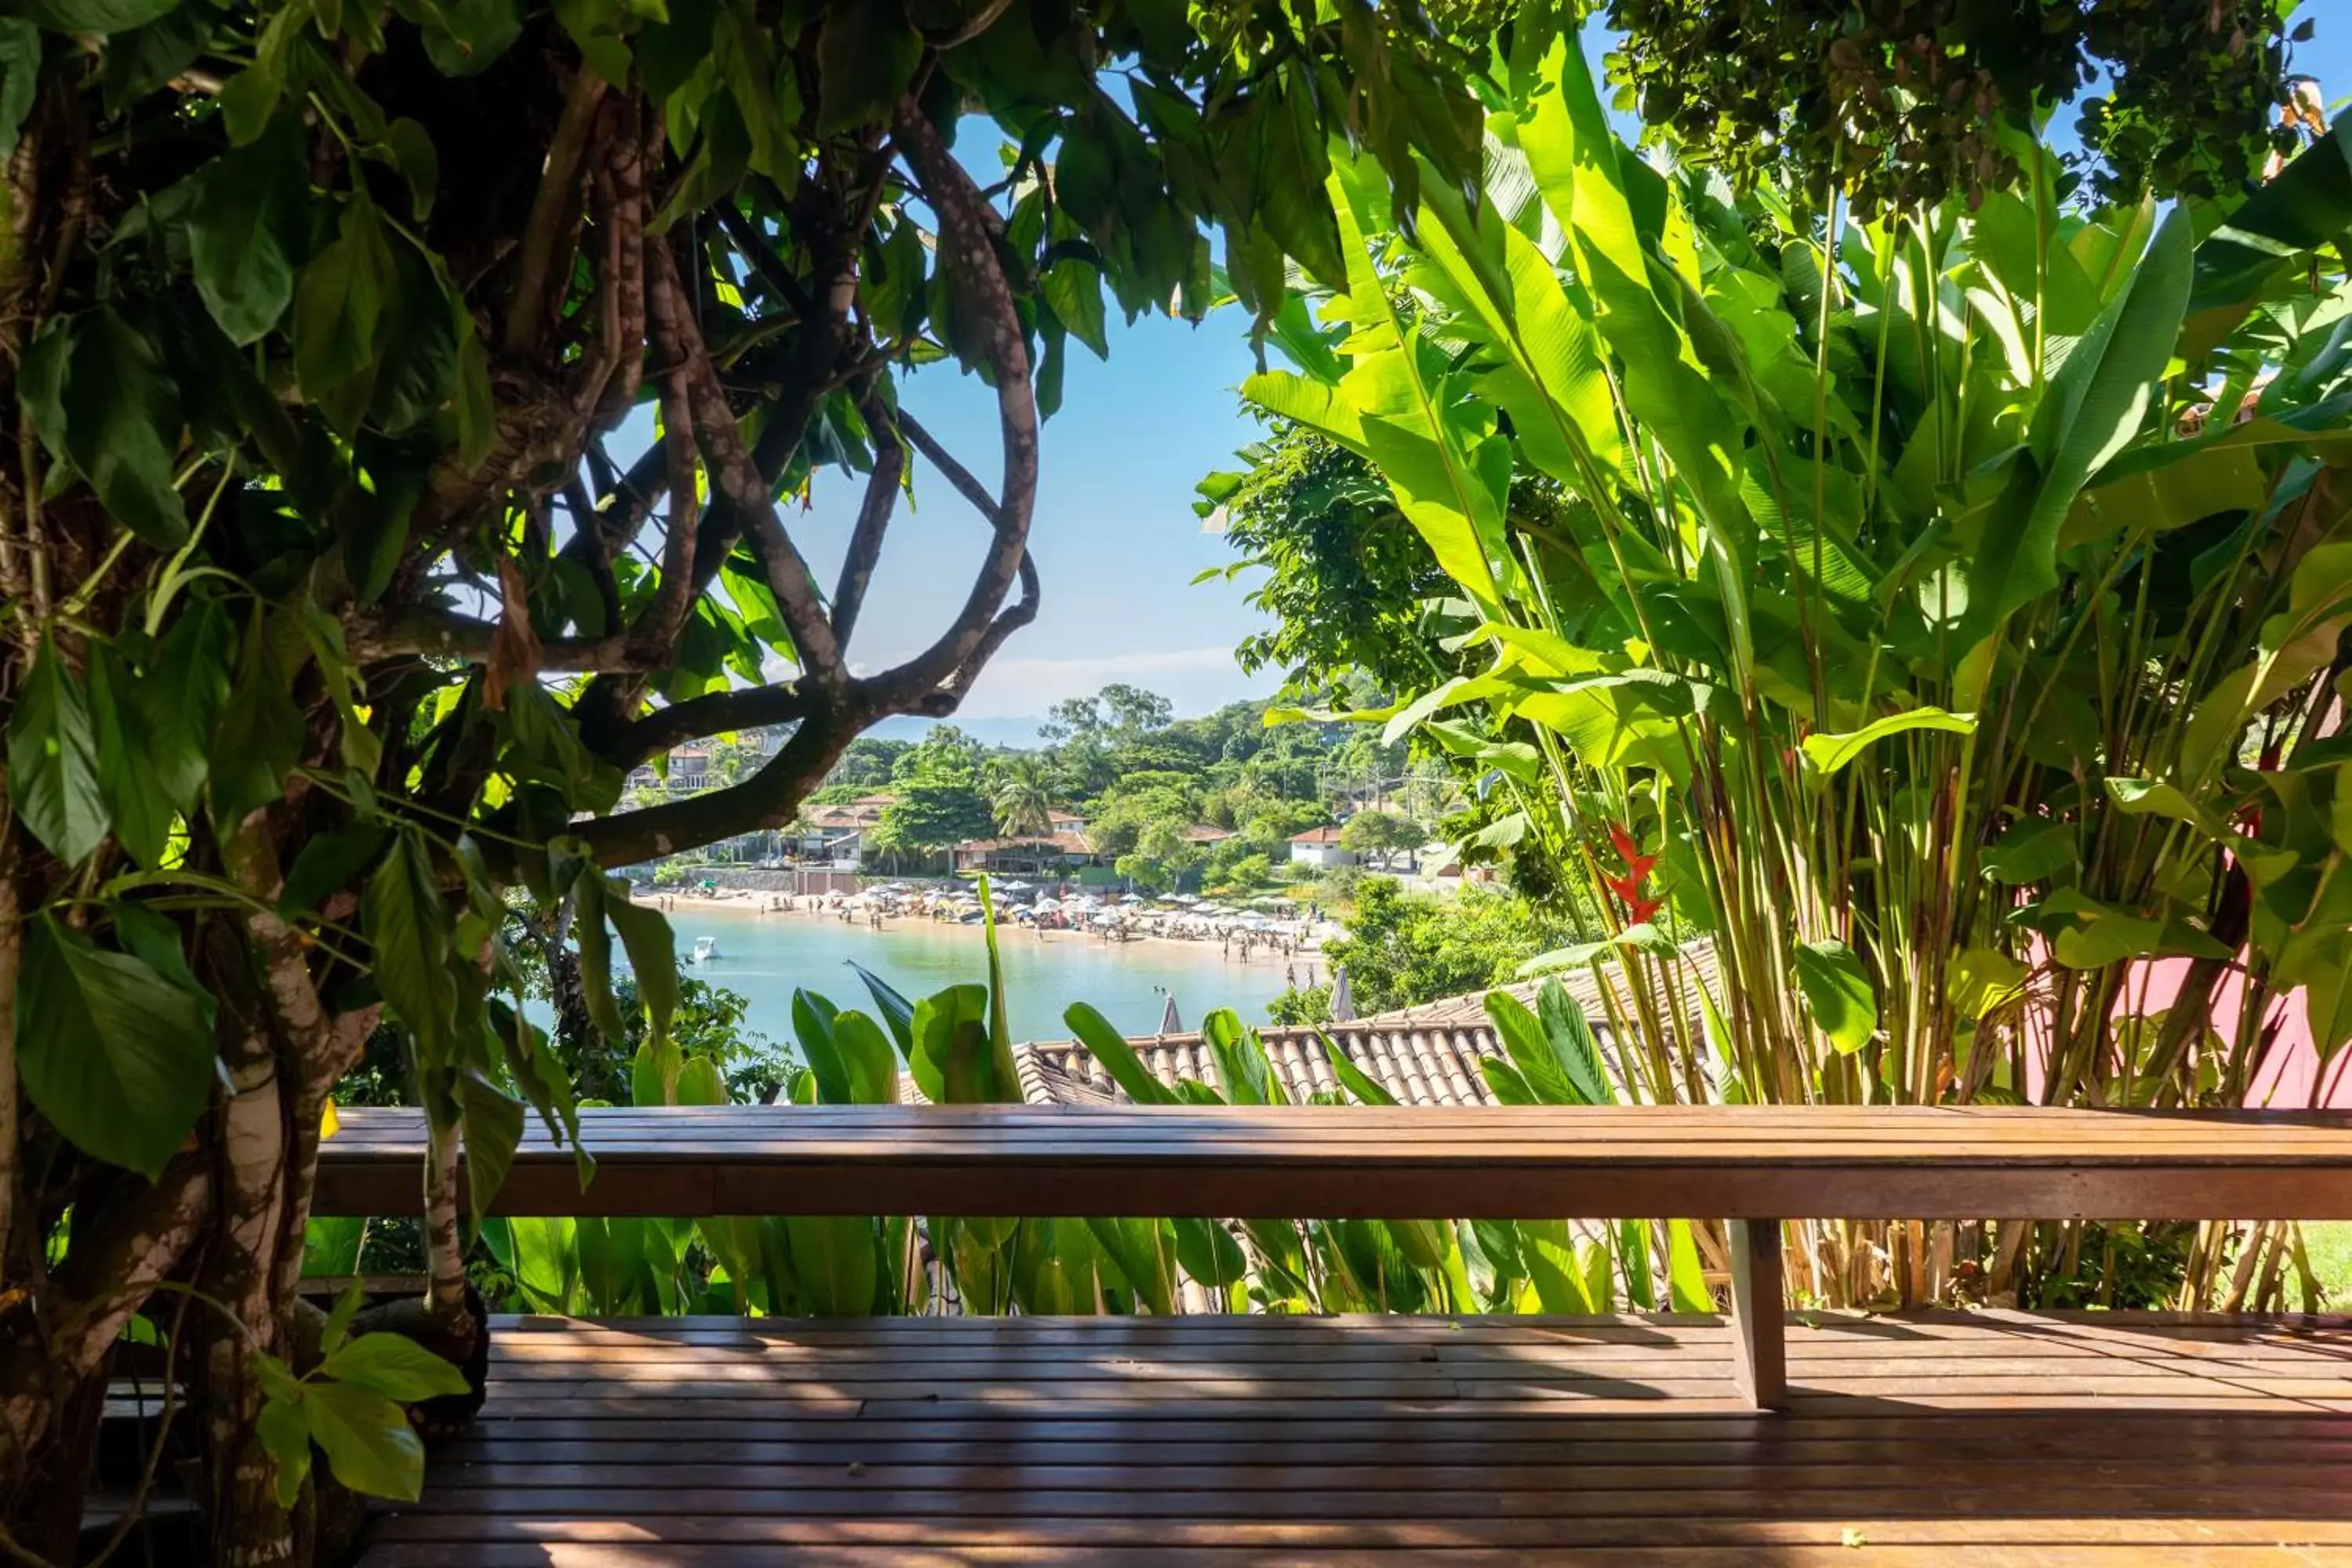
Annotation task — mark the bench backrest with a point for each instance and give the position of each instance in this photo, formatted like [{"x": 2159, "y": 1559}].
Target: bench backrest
[{"x": 1315, "y": 1161}]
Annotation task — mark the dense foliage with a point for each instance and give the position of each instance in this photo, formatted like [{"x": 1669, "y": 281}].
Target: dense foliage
[
  {"x": 399, "y": 404},
  {"x": 1904, "y": 102},
  {"x": 1948, "y": 627}
]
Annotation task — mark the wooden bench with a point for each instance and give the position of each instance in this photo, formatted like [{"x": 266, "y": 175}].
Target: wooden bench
[{"x": 1753, "y": 1167}]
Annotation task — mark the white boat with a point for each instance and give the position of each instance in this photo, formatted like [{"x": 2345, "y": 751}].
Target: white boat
[{"x": 706, "y": 948}]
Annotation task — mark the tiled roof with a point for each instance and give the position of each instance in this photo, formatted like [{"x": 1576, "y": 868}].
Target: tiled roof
[
  {"x": 1426, "y": 1054},
  {"x": 1207, "y": 833},
  {"x": 1067, "y": 843},
  {"x": 1317, "y": 835}
]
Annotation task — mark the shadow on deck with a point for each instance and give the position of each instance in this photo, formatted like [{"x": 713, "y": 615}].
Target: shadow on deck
[{"x": 2106, "y": 1439}]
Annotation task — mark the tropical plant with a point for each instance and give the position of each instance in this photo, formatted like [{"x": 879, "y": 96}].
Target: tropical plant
[
  {"x": 1947, "y": 620},
  {"x": 346, "y": 580},
  {"x": 1021, "y": 794}
]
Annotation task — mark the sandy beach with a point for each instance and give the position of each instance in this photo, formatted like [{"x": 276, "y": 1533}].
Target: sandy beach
[{"x": 1260, "y": 953}]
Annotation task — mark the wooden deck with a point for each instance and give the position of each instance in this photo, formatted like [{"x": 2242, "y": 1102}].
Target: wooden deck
[{"x": 2098, "y": 1439}]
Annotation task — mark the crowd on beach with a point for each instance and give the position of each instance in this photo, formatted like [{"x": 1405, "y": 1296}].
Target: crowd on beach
[{"x": 1245, "y": 933}]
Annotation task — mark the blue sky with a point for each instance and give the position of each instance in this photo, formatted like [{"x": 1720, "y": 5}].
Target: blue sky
[{"x": 1114, "y": 536}]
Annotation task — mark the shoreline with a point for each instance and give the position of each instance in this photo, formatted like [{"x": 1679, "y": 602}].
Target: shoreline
[{"x": 1260, "y": 956}]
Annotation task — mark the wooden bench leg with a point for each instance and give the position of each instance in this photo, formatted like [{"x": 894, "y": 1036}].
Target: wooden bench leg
[{"x": 1757, "y": 1340}]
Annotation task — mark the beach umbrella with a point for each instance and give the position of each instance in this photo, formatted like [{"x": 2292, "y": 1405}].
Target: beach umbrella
[
  {"x": 1170, "y": 1023},
  {"x": 1343, "y": 1001}
]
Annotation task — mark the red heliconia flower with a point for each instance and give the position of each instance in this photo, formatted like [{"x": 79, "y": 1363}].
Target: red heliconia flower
[
  {"x": 1628, "y": 888},
  {"x": 1637, "y": 865}
]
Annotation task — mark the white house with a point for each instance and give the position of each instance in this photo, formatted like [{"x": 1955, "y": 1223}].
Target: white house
[{"x": 1319, "y": 847}]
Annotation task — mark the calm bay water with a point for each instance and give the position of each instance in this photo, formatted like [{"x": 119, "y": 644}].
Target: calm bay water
[{"x": 765, "y": 957}]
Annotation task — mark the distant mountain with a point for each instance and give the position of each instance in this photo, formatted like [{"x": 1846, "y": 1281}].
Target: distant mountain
[{"x": 1021, "y": 732}]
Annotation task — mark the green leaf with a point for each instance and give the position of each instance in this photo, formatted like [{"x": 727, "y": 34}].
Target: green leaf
[
  {"x": 596, "y": 958},
  {"x": 329, "y": 862},
  {"x": 177, "y": 700},
  {"x": 954, "y": 1063},
  {"x": 338, "y": 305},
  {"x": 1118, "y": 1058},
  {"x": 244, "y": 226},
  {"x": 653, "y": 954},
  {"x": 394, "y": 1366},
  {"x": 897, "y": 1012},
  {"x": 100, "y": 17},
  {"x": 113, "y": 1053},
  {"x": 2033, "y": 849},
  {"x": 369, "y": 1444},
  {"x": 869, "y": 1064},
  {"x": 1207, "y": 1251},
  {"x": 284, "y": 1431},
  {"x": 493, "y": 1129},
  {"x": 813, "y": 1018},
  {"x": 132, "y": 785},
  {"x": 1686, "y": 1280},
  {"x": 1074, "y": 289},
  {"x": 1830, "y": 976},
  {"x": 2095, "y": 406},
  {"x": 864, "y": 60},
  {"x": 407, "y": 925},
  {"x": 1572, "y": 1042},
  {"x": 20, "y": 78},
  {"x": 834, "y": 1263},
  {"x": 1828, "y": 754},
  {"x": 258, "y": 737},
  {"x": 53, "y": 773},
  {"x": 121, "y": 426},
  {"x": 1367, "y": 1090},
  {"x": 2306, "y": 204}
]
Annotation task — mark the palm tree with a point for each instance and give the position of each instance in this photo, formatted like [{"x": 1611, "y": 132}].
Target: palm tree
[{"x": 1021, "y": 794}]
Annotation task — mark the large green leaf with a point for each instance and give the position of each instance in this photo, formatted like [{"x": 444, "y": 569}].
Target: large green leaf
[
  {"x": 2307, "y": 204},
  {"x": 1828, "y": 754},
  {"x": 177, "y": 699},
  {"x": 653, "y": 954},
  {"x": 120, "y": 427},
  {"x": 407, "y": 925},
  {"x": 1118, "y": 1058},
  {"x": 258, "y": 738},
  {"x": 113, "y": 1053},
  {"x": 133, "y": 786},
  {"x": 53, "y": 768},
  {"x": 369, "y": 1444},
  {"x": 1580, "y": 170},
  {"x": 834, "y": 1262},
  {"x": 338, "y": 305},
  {"x": 1830, "y": 976},
  {"x": 2096, "y": 403},
  {"x": 954, "y": 1062},
  {"x": 245, "y": 230},
  {"x": 102, "y": 17},
  {"x": 394, "y": 1366},
  {"x": 869, "y": 1066}
]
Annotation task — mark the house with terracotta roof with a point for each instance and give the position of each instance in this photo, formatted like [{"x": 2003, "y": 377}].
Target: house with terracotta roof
[
  {"x": 1319, "y": 848},
  {"x": 837, "y": 833},
  {"x": 1047, "y": 855}
]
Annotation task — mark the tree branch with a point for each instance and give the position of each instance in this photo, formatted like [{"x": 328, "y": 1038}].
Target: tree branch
[
  {"x": 445, "y": 633},
  {"x": 712, "y": 713},
  {"x": 872, "y": 523},
  {"x": 733, "y": 475},
  {"x": 675, "y": 335},
  {"x": 969, "y": 255},
  {"x": 765, "y": 800},
  {"x": 527, "y": 312}
]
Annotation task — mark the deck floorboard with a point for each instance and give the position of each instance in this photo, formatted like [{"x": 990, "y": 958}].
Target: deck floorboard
[{"x": 2049, "y": 1441}]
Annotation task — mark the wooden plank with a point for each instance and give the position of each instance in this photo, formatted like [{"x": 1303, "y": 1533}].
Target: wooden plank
[
  {"x": 1760, "y": 1355},
  {"x": 1703, "y": 1162}
]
